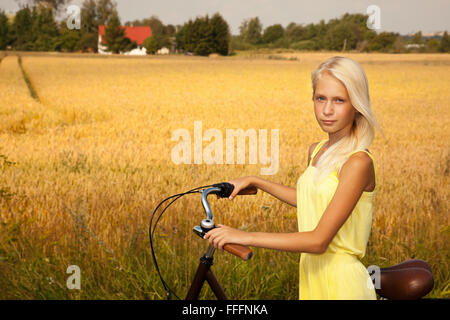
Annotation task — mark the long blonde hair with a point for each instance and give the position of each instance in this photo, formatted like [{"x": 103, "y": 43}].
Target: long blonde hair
[{"x": 352, "y": 75}]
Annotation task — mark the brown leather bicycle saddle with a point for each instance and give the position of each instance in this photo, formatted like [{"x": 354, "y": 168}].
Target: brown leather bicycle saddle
[{"x": 409, "y": 280}]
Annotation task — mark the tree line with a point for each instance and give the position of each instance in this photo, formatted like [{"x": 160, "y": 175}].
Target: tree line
[
  {"x": 34, "y": 28},
  {"x": 349, "y": 32}
]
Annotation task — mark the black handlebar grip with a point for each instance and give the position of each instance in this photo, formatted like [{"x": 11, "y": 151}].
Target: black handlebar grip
[{"x": 227, "y": 188}]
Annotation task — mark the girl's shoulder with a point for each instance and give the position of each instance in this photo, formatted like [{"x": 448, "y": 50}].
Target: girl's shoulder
[{"x": 362, "y": 159}]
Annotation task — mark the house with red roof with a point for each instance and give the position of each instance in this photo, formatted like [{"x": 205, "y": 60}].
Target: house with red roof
[{"x": 138, "y": 34}]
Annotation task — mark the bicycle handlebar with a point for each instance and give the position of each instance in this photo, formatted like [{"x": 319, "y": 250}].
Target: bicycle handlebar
[{"x": 223, "y": 190}]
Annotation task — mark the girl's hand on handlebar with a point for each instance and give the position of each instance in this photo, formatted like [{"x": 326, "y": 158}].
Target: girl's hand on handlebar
[
  {"x": 239, "y": 185},
  {"x": 221, "y": 235}
]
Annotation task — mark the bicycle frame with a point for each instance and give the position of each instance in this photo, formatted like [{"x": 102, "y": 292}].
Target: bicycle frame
[{"x": 203, "y": 273}]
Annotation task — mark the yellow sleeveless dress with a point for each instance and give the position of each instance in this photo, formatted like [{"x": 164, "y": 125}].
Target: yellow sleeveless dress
[{"x": 337, "y": 273}]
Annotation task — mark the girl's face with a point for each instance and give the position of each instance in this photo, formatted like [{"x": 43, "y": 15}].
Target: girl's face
[{"x": 331, "y": 102}]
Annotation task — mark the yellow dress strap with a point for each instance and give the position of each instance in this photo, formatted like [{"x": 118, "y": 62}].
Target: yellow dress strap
[{"x": 316, "y": 149}]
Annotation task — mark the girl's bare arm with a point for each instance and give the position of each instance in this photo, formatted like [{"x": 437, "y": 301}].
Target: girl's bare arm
[{"x": 279, "y": 191}]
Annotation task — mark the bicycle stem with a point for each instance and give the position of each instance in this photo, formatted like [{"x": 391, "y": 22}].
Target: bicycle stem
[{"x": 205, "y": 203}]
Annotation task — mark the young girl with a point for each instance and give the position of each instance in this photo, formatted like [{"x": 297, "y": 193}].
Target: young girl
[{"x": 334, "y": 194}]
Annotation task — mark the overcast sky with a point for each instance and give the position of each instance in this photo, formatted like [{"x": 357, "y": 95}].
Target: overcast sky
[{"x": 403, "y": 16}]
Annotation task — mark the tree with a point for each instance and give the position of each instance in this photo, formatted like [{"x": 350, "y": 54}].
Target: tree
[
  {"x": 68, "y": 40},
  {"x": 417, "y": 38},
  {"x": 399, "y": 45},
  {"x": 158, "y": 28},
  {"x": 154, "y": 43},
  {"x": 221, "y": 34},
  {"x": 89, "y": 20},
  {"x": 445, "y": 43},
  {"x": 346, "y": 33},
  {"x": 253, "y": 32},
  {"x": 341, "y": 36},
  {"x": 151, "y": 44},
  {"x": 44, "y": 28},
  {"x": 273, "y": 33},
  {"x": 383, "y": 41},
  {"x": 170, "y": 30},
  {"x": 88, "y": 41},
  {"x": 295, "y": 32},
  {"x": 22, "y": 30},
  {"x": 35, "y": 29},
  {"x": 203, "y": 30},
  {"x": 115, "y": 39},
  {"x": 185, "y": 37},
  {"x": 309, "y": 45},
  {"x": 320, "y": 41},
  {"x": 4, "y": 31},
  {"x": 93, "y": 14},
  {"x": 204, "y": 35},
  {"x": 55, "y": 4},
  {"x": 243, "y": 28},
  {"x": 156, "y": 25},
  {"x": 432, "y": 45},
  {"x": 105, "y": 9},
  {"x": 310, "y": 31},
  {"x": 180, "y": 37}
]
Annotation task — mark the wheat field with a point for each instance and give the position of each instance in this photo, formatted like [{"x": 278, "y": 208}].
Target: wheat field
[{"x": 84, "y": 165}]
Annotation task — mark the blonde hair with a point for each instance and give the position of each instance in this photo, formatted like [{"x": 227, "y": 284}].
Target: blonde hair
[{"x": 353, "y": 77}]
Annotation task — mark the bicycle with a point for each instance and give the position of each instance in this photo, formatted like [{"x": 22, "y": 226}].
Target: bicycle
[{"x": 409, "y": 280}]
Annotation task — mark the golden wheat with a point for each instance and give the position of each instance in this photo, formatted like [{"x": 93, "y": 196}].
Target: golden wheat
[{"x": 93, "y": 158}]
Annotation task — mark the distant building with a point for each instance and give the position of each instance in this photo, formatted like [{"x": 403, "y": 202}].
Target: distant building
[
  {"x": 427, "y": 35},
  {"x": 414, "y": 45},
  {"x": 163, "y": 50},
  {"x": 138, "y": 34},
  {"x": 433, "y": 34}
]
